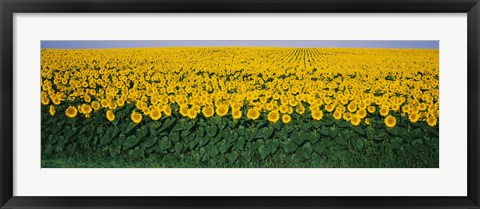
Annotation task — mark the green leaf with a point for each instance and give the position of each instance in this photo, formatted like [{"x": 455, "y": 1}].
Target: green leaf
[
  {"x": 289, "y": 146},
  {"x": 232, "y": 157},
  {"x": 213, "y": 150},
  {"x": 305, "y": 151},
  {"x": 266, "y": 132},
  {"x": 240, "y": 143},
  {"x": 224, "y": 146},
  {"x": 211, "y": 130},
  {"x": 298, "y": 138},
  {"x": 334, "y": 131},
  {"x": 168, "y": 122},
  {"x": 250, "y": 133},
  {"x": 417, "y": 142},
  {"x": 175, "y": 137},
  {"x": 165, "y": 144},
  {"x": 370, "y": 132},
  {"x": 193, "y": 143},
  {"x": 319, "y": 148},
  {"x": 178, "y": 147},
  {"x": 130, "y": 142},
  {"x": 324, "y": 131},
  {"x": 314, "y": 137},
  {"x": 273, "y": 145},
  {"x": 263, "y": 151},
  {"x": 358, "y": 144}
]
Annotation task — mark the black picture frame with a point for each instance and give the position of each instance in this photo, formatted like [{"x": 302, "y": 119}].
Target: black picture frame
[{"x": 9, "y": 7}]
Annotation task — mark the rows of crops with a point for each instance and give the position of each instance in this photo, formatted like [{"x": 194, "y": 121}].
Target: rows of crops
[{"x": 240, "y": 107}]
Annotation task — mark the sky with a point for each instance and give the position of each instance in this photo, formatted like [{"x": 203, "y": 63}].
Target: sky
[{"x": 102, "y": 44}]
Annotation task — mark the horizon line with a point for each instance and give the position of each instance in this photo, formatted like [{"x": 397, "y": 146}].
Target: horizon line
[{"x": 104, "y": 44}]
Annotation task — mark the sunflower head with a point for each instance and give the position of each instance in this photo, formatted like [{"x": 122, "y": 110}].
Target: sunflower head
[
  {"x": 236, "y": 113},
  {"x": 337, "y": 115},
  {"x": 330, "y": 107},
  {"x": 352, "y": 107},
  {"x": 71, "y": 112},
  {"x": 110, "y": 116},
  {"x": 253, "y": 114},
  {"x": 155, "y": 114},
  {"x": 413, "y": 117},
  {"x": 45, "y": 100},
  {"x": 432, "y": 121},
  {"x": 167, "y": 110},
  {"x": 95, "y": 105},
  {"x": 191, "y": 113},
  {"x": 383, "y": 111},
  {"x": 286, "y": 119},
  {"x": 283, "y": 108},
  {"x": 300, "y": 109},
  {"x": 355, "y": 120},
  {"x": 52, "y": 110},
  {"x": 222, "y": 110},
  {"x": 273, "y": 116},
  {"x": 208, "y": 111},
  {"x": 367, "y": 121},
  {"x": 390, "y": 121},
  {"x": 362, "y": 113},
  {"x": 317, "y": 114},
  {"x": 136, "y": 117}
]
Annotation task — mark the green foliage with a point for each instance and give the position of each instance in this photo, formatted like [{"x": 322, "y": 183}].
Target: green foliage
[{"x": 223, "y": 142}]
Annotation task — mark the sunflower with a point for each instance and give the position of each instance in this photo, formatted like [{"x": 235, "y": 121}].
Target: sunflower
[
  {"x": 45, "y": 101},
  {"x": 86, "y": 109},
  {"x": 155, "y": 114},
  {"x": 337, "y": 114},
  {"x": 273, "y": 116},
  {"x": 236, "y": 113},
  {"x": 330, "y": 107},
  {"x": 52, "y": 110},
  {"x": 120, "y": 102},
  {"x": 286, "y": 119},
  {"x": 351, "y": 107},
  {"x": 371, "y": 109},
  {"x": 192, "y": 114},
  {"x": 383, "y": 111},
  {"x": 104, "y": 103},
  {"x": 292, "y": 102},
  {"x": 222, "y": 110},
  {"x": 355, "y": 120},
  {"x": 432, "y": 121},
  {"x": 390, "y": 121},
  {"x": 136, "y": 117},
  {"x": 422, "y": 106},
  {"x": 167, "y": 110},
  {"x": 317, "y": 114},
  {"x": 56, "y": 100},
  {"x": 95, "y": 105},
  {"x": 71, "y": 112},
  {"x": 413, "y": 117},
  {"x": 283, "y": 109},
  {"x": 110, "y": 116},
  {"x": 367, "y": 121},
  {"x": 113, "y": 105},
  {"x": 253, "y": 114},
  {"x": 362, "y": 113},
  {"x": 347, "y": 116},
  {"x": 207, "y": 111},
  {"x": 300, "y": 109},
  {"x": 184, "y": 110}
]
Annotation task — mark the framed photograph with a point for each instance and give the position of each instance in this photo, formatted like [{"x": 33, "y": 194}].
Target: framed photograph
[{"x": 239, "y": 104}]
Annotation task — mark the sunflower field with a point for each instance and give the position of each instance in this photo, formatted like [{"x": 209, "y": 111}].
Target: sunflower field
[{"x": 240, "y": 107}]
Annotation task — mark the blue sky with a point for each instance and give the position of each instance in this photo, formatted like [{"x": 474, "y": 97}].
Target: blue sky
[{"x": 96, "y": 44}]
